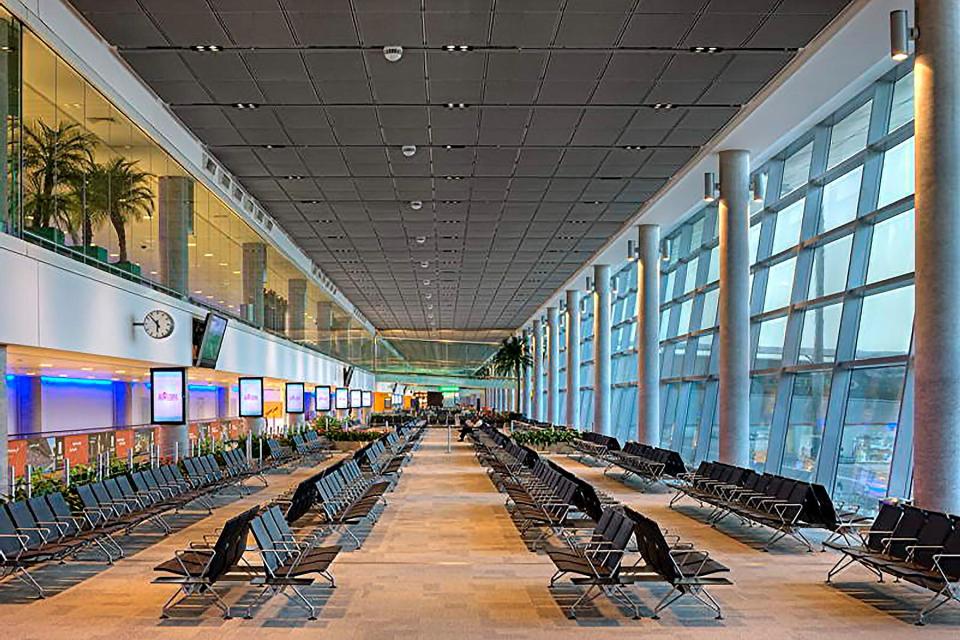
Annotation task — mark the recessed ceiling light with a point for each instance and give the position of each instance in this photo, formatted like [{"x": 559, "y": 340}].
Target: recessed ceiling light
[
  {"x": 428, "y": 295},
  {"x": 206, "y": 47},
  {"x": 663, "y": 105},
  {"x": 421, "y": 239},
  {"x": 416, "y": 205},
  {"x": 245, "y": 105},
  {"x": 705, "y": 49},
  {"x": 457, "y": 47},
  {"x": 45, "y": 365},
  {"x": 634, "y": 147},
  {"x": 426, "y": 283},
  {"x": 456, "y": 105},
  {"x": 294, "y": 177},
  {"x": 453, "y": 177},
  {"x": 425, "y": 264}
]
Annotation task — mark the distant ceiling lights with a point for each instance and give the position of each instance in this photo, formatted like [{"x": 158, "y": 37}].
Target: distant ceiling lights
[
  {"x": 710, "y": 188},
  {"x": 428, "y": 295},
  {"x": 457, "y": 105},
  {"x": 416, "y": 205},
  {"x": 245, "y": 105},
  {"x": 454, "y": 146},
  {"x": 421, "y": 239},
  {"x": 426, "y": 283},
  {"x": 206, "y": 47},
  {"x": 706, "y": 49},
  {"x": 408, "y": 150},
  {"x": 634, "y": 147},
  {"x": 901, "y": 33},
  {"x": 457, "y": 47},
  {"x": 393, "y": 53},
  {"x": 274, "y": 146},
  {"x": 453, "y": 177},
  {"x": 425, "y": 264},
  {"x": 663, "y": 105}
]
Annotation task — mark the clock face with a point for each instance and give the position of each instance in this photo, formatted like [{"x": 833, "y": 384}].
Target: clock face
[{"x": 158, "y": 324}]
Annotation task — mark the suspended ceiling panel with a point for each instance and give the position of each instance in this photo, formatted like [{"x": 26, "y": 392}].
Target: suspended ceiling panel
[{"x": 534, "y": 145}]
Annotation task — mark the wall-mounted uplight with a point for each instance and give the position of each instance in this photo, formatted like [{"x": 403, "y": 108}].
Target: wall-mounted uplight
[
  {"x": 589, "y": 284},
  {"x": 711, "y": 190},
  {"x": 633, "y": 251},
  {"x": 758, "y": 187},
  {"x": 901, "y": 33}
]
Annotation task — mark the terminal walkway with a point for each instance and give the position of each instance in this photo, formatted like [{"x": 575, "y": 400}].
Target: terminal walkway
[{"x": 446, "y": 561}]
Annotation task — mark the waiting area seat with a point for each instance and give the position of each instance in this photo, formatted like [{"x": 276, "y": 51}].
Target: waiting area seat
[
  {"x": 594, "y": 445},
  {"x": 912, "y": 545},
  {"x": 785, "y": 505},
  {"x": 649, "y": 464}
]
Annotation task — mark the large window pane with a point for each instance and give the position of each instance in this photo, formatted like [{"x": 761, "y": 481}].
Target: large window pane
[
  {"x": 701, "y": 365},
  {"x": 668, "y": 287},
  {"x": 754, "y": 240},
  {"x": 896, "y": 179},
  {"x": 711, "y": 300},
  {"x": 691, "y": 279},
  {"x": 808, "y": 412},
  {"x": 886, "y": 321},
  {"x": 763, "y": 398},
  {"x": 670, "y": 415},
  {"x": 891, "y": 249},
  {"x": 830, "y": 264},
  {"x": 779, "y": 285},
  {"x": 821, "y": 328},
  {"x": 713, "y": 273},
  {"x": 787, "y": 232},
  {"x": 796, "y": 170},
  {"x": 684, "y": 324},
  {"x": 770, "y": 343},
  {"x": 902, "y": 110},
  {"x": 869, "y": 430},
  {"x": 849, "y": 135},
  {"x": 691, "y": 424},
  {"x": 840, "y": 200}
]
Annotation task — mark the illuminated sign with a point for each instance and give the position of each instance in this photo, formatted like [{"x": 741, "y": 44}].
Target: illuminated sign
[
  {"x": 168, "y": 396},
  {"x": 321, "y": 398},
  {"x": 294, "y": 397},
  {"x": 251, "y": 397}
]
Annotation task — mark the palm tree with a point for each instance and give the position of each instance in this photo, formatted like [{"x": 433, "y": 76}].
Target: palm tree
[
  {"x": 511, "y": 359},
  {"x": 118, "y": 191},
  {"x": 53, "y": 157}
]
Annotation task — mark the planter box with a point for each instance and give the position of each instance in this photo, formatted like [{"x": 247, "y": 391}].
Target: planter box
[
  {"x": 347, "y": 445},
  {"x": 93, "y": 251},
  {"x": 129, "y": 267},
  {"x": 48, "y": 233}
]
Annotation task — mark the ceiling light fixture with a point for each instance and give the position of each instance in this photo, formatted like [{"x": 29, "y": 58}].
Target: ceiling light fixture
[
  {"x": 456, "y": 105},
  {"x": 706, "y": 49},
  {"x": 758, "y": 187},
  {"x": 634, "y": 147},
  {"x": 457, "y": 47},
  {"x": 408, "y": 150},
  {"x": 421, "y": 239},
  {"x": 663, "y": 105},
  {"x": 453, "y": 177},
  {"x": 245, "y": 105},
  {"x": 426, "y": 283},
  {"x": 425, "y": 264},
  {"x": 416, "y": 205},
  {"x": 294, "y": 177},
  {"x": 901, "y": 33},
  {"x": 393, "y": 53},
  {"x": 206, "y": 47}
]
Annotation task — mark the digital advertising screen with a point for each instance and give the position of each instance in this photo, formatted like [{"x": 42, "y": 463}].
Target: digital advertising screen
[
  {"x": 367, "y": 399},
  {"x": 356, "y": 399},
  {"x": 343, "y": 398},
  {"x": 321, "y": 399},
  {"x": 168, "y": 396},
  {"x": 251, "y": 397},
  {"x": 214, "y": 328},
  {"x": 294, "y": 397}
]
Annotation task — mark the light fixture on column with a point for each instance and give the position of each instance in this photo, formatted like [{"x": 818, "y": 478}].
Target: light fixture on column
[
  {"x": 711, "y": 190},
  {"x": 758, "y": 187},
  {"x": 589, "y": 284},
  {"x": 633, "y": 251},
  {"x": 901, "y": 33}
]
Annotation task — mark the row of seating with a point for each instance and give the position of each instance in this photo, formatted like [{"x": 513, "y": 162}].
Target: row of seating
[
  {"x": 595, "y": 445},
  {"x": 45, "y": 528},
  {"x": 290, "y": 559},
  {"x": 650, "y": 464},
  {"x": 310, "y": 445},
  {"x": 912, "y": 545},
  {"x": 591, "y": 543},
  {"x": 785, "y": 505}
]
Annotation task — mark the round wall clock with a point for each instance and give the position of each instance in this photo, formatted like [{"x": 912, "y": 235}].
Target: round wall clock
[{"x": 158, "y": 324}]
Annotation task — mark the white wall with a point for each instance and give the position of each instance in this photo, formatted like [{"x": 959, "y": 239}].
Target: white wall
[
  {"x": 69, "y": 406},
  {"x": 54, "y": 302}
]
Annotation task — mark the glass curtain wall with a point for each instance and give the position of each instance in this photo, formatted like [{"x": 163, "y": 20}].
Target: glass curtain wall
[
  {"x": 83, "y": 180},
  {"x": 832, "y": 306}
]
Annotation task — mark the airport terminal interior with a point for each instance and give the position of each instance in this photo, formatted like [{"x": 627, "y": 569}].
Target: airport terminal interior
[{"x": 480, "y": 319}]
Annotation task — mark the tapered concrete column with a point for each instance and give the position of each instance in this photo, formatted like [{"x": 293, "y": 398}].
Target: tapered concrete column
[
  {"x": 175, "y": 221},
  {"x": 573, "y": 358},
  {"x": 254, "y": 279},
  {"x": 297, "y": 308},
  {"x": 601, "y": 350},
  {"x": 537, "y": 413},
  {"x": 936, "y": 422},
  {"x": 4, "y": 423},
  {"x": 734, "y": 313},
  {"x": 527, "y": 409},
  {"x": 553, "y": 365},
  {"x": 648, "y": 335}
]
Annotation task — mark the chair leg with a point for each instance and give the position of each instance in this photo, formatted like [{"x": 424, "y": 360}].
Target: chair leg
[
  {"x": 672, "y": 596},
  {"x": 24, "y": 576}
]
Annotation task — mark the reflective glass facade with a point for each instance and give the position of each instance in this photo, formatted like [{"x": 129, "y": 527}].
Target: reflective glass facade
[{"x": 831, "y": 305}]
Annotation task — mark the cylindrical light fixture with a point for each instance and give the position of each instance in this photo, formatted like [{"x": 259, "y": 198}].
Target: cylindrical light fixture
[
  {"x": 900, "y": 35},
  {"x": 709, "y": 187},
  {"x": 631, "y": 250},
  {"x": 589, "y": 284},
  {"x": 759, "y": 187}
]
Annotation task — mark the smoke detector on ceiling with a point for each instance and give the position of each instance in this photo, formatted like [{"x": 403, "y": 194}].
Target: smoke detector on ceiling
[{"x": 393, "y": 53}]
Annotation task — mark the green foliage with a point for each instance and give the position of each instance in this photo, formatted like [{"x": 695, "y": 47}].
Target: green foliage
[
  {"x": 511, "y": 359},
  {"x": 543, "y": 438},
  {"x": 53, "y": 159},
  {"x": 332, "y": 429},
  {"x": 116, "y": 191}
]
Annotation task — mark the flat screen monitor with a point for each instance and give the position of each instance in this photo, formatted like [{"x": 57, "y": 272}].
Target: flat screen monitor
[
  {"x": 342, "y": 398},
  {"x": 356, "y": 399},
  {"x": 294, "y": 397},
  {"x": 214, "y": 329},
  {"x": 367, "y": 399},
  {"x": 168, "y": 396},
  {"x": 251, "y": 397},
  {"x": 321, "y": 399}
]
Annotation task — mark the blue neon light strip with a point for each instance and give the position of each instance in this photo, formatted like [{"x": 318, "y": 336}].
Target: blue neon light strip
[
  {"x": 202, "y": 387},
  {"x": 79, "y": 381}
]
